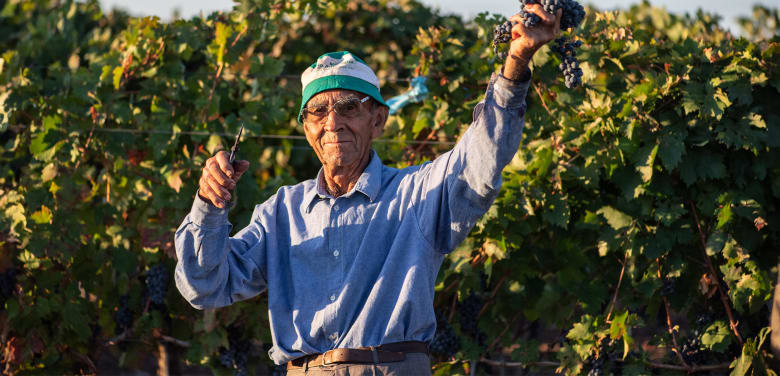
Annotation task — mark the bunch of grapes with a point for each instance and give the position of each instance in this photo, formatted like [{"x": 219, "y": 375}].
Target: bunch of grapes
[
  {"x": 572, "y": 15},
  {"x": 123, "y": 317},
  {"x": 236, "y": 356},
  {"x": 529, "y": 19},
  {"x": 570, "y": 67},
  {"x": 604, "y": 359},
  {"x": 468, "y": 312},
  {"x": 157, "y": 283},
  {"x": 502, "y": 34},
  {"x": 692, "y": 348},
  {"x": 445, "y": 342}
]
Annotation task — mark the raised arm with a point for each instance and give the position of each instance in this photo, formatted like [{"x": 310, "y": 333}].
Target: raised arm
[{"x": 457, "y": 188}]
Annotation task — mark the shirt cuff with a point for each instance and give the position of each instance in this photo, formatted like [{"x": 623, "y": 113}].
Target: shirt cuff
[
  {"x": 204, "y": 214},
  {"x": 508, "y": 93}
]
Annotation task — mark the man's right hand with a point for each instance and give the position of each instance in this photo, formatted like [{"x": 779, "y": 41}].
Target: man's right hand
[{"x": 219, "y": 178}]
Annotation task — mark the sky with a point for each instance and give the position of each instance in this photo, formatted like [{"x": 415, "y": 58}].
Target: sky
[{"x": 728, "y": 9}]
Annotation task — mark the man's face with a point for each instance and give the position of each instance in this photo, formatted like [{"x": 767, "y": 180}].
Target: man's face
[{"x": 340, "y": 140}]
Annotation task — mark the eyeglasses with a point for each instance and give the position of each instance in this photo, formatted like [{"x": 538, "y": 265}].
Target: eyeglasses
[{"x": 348, "y": 107}]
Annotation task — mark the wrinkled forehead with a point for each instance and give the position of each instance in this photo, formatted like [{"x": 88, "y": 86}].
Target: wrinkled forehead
[{"x": 333, "y": 95}]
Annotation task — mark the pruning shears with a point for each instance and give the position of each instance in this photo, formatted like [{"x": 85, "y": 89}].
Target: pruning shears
[{"x": 234, "y": 149}]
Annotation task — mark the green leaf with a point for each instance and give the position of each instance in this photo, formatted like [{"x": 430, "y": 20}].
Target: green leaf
[
  {"x": 124, "y": 261},
  {"x": 616, "y": 219},
  {"x": 672, "y": 148},
  {"x": 645, "y": 162},
  {"x": 557, "y": 211},
  {"x": 717, "y": 337},
  {"x": 716, "y": 242},
  {"x": 724, "y": 215}
]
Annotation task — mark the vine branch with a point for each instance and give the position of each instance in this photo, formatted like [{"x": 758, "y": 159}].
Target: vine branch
[
  {"x": 715, "y": 277},
  {"x": 617, "y": 289},
  {"x": 669, "y": 327}
]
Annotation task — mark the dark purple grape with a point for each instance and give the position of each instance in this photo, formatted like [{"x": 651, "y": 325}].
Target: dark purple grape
[{"x": 157, "y": 283}]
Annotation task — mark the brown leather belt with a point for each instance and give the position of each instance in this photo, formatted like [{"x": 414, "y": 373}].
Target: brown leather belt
[{"x": 387, "y": 353}]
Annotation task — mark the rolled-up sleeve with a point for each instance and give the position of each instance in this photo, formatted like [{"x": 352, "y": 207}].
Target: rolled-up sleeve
[
  {"x": 214, "y": 269},
  {"x": 458, "y": 187}
]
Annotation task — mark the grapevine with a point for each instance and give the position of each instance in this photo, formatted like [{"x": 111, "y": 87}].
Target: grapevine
[{"x": 572, "y": 15}]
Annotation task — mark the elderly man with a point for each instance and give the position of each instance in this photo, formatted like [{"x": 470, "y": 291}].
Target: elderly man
[{"x": 350, "y": 258}]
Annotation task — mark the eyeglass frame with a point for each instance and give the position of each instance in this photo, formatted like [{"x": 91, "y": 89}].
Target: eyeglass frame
[{"x": 333, "y": 107}]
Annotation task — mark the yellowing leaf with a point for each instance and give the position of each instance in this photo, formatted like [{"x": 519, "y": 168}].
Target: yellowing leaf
[
  {"x": 117, "y": 76},
  {"x": 42, "y": 216},
  {"x": 49, "y": 172},
  {"x": 174, "y": 180}
]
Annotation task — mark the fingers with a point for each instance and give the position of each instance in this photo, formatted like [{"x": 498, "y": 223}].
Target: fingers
[
  {"x": 538, "y": 9},
  {"x": 211, "y": 190},
  {"x": 518, "y": 29},
  {"x": 219, "y": 173},
  {"x": 223, "y": 158},
  {"x": 208, "y": 194},
  {"x": 240, "y": 168},
  {"x": 215, "y": 183}
]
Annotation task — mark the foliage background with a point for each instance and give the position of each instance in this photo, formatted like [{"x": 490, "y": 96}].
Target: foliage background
[{"x": 639, "y": 216}]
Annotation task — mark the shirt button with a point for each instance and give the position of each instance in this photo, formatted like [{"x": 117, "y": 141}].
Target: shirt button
[
  {"x": 336, "y": 207},
  {"x": 336, "y": 253},
  {"x": 332, "y": 298},
  {"x": 334, "y": 337}
]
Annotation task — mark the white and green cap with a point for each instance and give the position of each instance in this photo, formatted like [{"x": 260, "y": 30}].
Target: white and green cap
[{"x": 339, "y": 70}]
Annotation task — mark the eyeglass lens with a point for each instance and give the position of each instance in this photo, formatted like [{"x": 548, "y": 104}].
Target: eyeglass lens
[{"x": 349, "y": 107}]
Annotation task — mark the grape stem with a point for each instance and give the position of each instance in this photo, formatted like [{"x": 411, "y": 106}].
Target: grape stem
[
  {"x": 686, "y": 366},
  {"x": 723, "y": 297},
  {"x": 617, "y": 289}
]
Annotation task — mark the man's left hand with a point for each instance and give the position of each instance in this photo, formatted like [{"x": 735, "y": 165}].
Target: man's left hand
[{"x": 526, "y": 41}]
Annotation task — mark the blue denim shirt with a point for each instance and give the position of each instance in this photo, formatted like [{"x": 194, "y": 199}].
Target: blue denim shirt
[{"x": 360, "y": 269}]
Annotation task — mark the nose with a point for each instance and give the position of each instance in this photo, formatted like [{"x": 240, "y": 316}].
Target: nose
[{"x": 331, "y": 122}]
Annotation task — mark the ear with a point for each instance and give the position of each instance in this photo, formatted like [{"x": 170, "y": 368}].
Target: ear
[{"x": 378, "y": 121}]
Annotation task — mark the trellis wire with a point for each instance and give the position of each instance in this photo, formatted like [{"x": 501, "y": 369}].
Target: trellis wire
[{"x": 268, "y": 136}]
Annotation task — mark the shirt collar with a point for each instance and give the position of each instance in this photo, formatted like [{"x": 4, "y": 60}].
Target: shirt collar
[{"x": 369, "y": 183}]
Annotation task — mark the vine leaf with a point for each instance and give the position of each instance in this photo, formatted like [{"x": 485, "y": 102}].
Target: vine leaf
[
  {"x": 616, "y": 219},
  {"x": 716, "y": 242},
  {"x": 717, "y": 337}
]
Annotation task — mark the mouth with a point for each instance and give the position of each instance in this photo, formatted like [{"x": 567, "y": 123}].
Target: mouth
[{"x": 336, "y": 142}]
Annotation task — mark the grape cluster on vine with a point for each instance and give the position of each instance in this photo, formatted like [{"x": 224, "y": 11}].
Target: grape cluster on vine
[
  {"x": 692, "y": 349},
  {"x": 572, "y": 16},
  {"x": 123, "y": 317},
  {"x": 445, "y": 342},
  {"x": 570, "y": 67},
  {"x": 468, "y": 313},
  {"x": 157, "y": 283},
  {"x": 603, "y": 361},
  {"x": 236, "y": 356}
]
